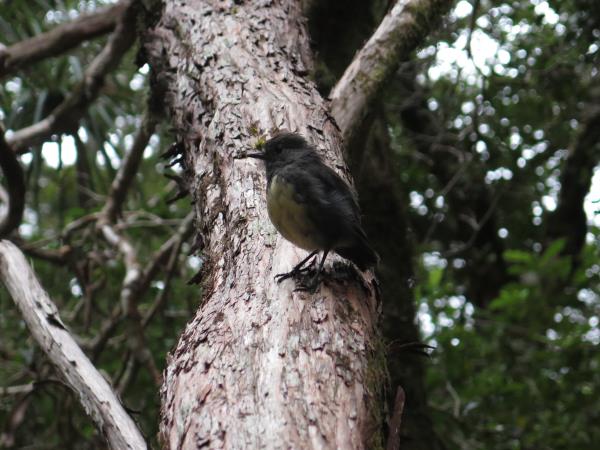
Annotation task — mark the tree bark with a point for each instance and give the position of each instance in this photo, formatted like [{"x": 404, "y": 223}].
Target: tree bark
[
  {"x": 259, "y": 366},
  {"x": 338, "y": 28}
]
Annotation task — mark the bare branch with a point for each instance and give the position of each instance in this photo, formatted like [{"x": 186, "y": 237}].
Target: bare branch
[
  {"x": 127, "y": 171},
  {"x": 15, "y": 187},
  {"x": 59, "y": 40},
  {"x": 15, "y": 418},
  {"x": 41, "y": 316},
  {"x": 393, "y": 442},
  {"x": 136, "y": 280},
  {"x": 174, "y": 245},
  {"x": 17, "y": 390},
  {"x": 133, "y": 269},
  {"x": 401, "y": 31},
  {"x": 83, "y": 171},
  {"x": 58, "y": 256},
  {"x": 66, "y": 116}
]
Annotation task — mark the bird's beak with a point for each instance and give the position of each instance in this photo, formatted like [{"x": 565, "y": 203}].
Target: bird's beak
[{"x": 257, "y": 155}]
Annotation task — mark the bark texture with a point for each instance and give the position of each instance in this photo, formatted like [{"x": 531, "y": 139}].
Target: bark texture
[
  {"x": 364, "y": 124},
  {"x": 48, "y": 330},
  {"x": 259, "y": 366}
]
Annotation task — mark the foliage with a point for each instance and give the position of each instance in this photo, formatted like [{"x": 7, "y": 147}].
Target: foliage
[{"x": 520, "y": 370}]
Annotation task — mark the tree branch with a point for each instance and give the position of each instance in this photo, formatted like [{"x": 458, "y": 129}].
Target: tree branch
[
  {"x": 41, "y": 316},
  {"x": 15, "y": 186},
  {"x": 173, "y": 247},
  {"x": 127, "y": 171},
  {"x": 59, "y": 40},
  {"x": 393, "y": 442},
  {"x": 401, "y": 31},
  {"x": 66, "y": 116}
]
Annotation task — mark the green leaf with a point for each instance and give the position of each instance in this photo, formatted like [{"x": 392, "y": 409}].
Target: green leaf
[{"x": 518, "y": 256}]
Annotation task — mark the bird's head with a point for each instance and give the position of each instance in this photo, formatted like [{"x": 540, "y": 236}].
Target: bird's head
[{"x": 283, "y": 147}]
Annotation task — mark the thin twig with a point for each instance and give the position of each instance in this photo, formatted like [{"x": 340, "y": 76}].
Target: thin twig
[
  {"x": 125, "y": 175},
  {"x": 181, "y": 236},
  {"x": 477, "y": 227},
  {"x": 17, "y": 390}
]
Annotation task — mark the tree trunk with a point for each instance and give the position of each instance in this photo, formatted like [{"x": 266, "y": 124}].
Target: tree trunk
[
  {"x": 568, "y": 220},
  {"x": 386, "y": 222},
  {"x": 259, "y": 366}
]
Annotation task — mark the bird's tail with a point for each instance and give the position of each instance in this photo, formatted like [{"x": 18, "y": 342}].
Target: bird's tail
[{"x": 361, "y": 253}]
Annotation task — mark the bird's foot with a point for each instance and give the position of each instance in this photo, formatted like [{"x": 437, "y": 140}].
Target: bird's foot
[
  {"x": 295, "y": 272},
  {"x": 291, "y": 274}
]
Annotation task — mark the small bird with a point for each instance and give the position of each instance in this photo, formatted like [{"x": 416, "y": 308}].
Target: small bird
[{"x": 311, "y": 206}]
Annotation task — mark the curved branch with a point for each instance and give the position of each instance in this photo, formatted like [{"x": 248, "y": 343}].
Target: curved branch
[
  {"x": 401, "y": 31},
  {"x": 15, "y": 183},
  {"x": 172, "y": 248},
  {"x": 41, "y": 316},
  {"x": 68, "y": 113},
  {"x": 59, "y": 40},
  {"x": 124, "y": 178}
]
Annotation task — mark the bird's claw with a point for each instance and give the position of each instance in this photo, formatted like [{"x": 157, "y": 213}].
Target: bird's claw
[
  {"x": 291, "y": 274},
  {"x": 302, "y": 284},
  {"x": 295, "y": 272}
]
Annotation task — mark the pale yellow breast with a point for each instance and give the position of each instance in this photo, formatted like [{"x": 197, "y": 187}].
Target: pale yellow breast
[{"x": 290, "y": 217}]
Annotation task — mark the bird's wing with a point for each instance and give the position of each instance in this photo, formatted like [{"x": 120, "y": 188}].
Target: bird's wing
[
  {"x": 330, "y": 202},
  {"x": 337, "y": 192},
  {"x": 352, "y": 242}
]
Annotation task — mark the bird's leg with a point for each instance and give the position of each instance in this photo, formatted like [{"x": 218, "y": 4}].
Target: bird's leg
[
  {"x": 296, "y": 270},
  {"x": 314, "y": 282}
]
